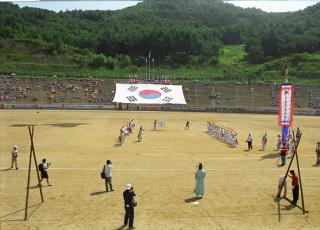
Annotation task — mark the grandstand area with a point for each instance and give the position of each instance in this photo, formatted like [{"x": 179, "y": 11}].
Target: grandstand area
[{"x": 22, "y": 90}]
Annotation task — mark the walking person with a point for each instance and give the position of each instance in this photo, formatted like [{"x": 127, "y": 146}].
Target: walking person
[
  {"x": 129, "y": 205},
  {"x": 187, "y": 125},
  {"x": 14, "y": 157},
  {"x": 140, "y": 134},
  {"x": 122, "y": 136},
  {"x": 249, "y": 141},
  {"x": 279, "y": 142},
  {"x": 107, "y": 170},
  {"x": 298, "y": 133},
  {"x": 155, "y": 125},
  {"x": 264, "y": 141},
  {"x": 200, "y": 174},
  {"x": 43, "y": 168},
  {"x": 318, "y": 153},
  {"x": 283, "y": 154},
  {"x": 291, "y": 147},
  {"x": 295, "y": 187}
]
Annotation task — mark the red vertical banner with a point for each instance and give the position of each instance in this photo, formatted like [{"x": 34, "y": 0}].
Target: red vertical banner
[{"x": 286, "y": 105}]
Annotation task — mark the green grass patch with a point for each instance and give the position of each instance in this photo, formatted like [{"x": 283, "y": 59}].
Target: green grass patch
[{"x": 231, "y": 54}]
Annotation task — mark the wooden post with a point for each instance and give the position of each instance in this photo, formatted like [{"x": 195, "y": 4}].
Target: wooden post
[
  {"x": 295, "y": 154},
  {"x": 28, "y": 183},
  {"x": 36, "y": 163},
  {"x": 301, "y": 190},
  {"x": 32, "y": 153},
  {"x": 287, "y": 172}
]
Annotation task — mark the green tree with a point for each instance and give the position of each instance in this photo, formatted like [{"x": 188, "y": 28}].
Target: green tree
[{"x": 99, "y": 60}]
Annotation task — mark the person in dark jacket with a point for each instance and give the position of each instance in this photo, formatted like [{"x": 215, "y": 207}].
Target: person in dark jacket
[
  {"x": 129, "y": 205},
  {"x": 43, "y": 168}
]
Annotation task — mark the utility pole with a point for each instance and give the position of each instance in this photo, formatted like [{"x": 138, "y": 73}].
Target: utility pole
[
  {"x": 153, "y": 68},
  {"x": 146, "y": 67}
]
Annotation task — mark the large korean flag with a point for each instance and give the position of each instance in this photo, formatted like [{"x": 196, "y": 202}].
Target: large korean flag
[{"x": 149, "y": 94}]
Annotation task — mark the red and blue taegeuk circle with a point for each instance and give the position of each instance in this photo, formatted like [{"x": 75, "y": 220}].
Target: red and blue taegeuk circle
[{"x": 149, "y": 94}]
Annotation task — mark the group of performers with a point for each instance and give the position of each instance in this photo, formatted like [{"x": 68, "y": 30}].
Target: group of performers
[
  {"x": 127, "y": 129},
  {"x": 225, "y": 134}
]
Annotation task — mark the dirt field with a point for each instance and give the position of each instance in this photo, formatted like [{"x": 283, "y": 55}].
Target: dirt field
[{"x": 239, "y": 188}]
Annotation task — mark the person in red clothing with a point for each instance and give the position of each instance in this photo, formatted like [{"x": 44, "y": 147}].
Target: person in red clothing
[
  {"x": 283, "y": 154},
  {"x": 295, "y": 187}
]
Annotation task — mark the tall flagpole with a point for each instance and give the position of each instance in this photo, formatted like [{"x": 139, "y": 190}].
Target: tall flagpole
[
  {"x": 286, "y": 72},
  {"x": 146, "y": 68},
  {"x": 153, "y": 68},
  {"x": 149, "y": 63}
]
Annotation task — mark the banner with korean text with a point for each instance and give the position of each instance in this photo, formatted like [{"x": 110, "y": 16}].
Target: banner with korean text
[
  {"x": 286, "y": 109},
  {"x": 286, "y": 105}
]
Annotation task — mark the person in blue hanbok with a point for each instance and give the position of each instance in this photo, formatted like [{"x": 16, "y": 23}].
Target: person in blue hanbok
[{"x": 200, "y": 174}]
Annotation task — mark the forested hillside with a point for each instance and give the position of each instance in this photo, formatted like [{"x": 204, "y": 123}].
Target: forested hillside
[{"x": 179, "y": 33}]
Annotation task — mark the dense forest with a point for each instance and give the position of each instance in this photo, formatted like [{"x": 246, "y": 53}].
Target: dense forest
[{"x": 178, "y": 32}]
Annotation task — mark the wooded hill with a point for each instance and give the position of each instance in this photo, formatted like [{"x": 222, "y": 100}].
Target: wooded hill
[{"x": 178, "y": 32}]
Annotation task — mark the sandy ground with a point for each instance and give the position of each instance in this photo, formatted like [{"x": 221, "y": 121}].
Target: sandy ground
[{"x": 239, "y": 188}]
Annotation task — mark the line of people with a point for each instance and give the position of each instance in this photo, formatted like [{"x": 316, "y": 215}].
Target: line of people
[
  {"x": 225, "y": 134},
  {"x": 279, "y": 144},
  {"x": 125, "y": 130}
]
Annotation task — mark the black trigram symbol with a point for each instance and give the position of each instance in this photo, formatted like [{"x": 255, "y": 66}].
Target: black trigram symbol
[
  {"x": 166, "y": 89},
  {"x": 167, "y": 99},
  {"x": 132, "y": 98},
  {"x": 132, "y": 88}
]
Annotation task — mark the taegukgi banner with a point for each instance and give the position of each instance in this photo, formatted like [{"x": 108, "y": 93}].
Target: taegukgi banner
[{"x": 149, "y": 94}]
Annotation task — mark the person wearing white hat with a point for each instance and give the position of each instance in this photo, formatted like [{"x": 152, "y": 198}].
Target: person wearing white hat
[
  {"x": 14, "y": 156},
  {"x": 129, "y": 205}
]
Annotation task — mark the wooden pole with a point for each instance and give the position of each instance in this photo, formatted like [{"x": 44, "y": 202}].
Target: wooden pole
[
  {"x": 32, "y": 153},
  {"x": 36, "y": 163},
  {"x": 287, "y": 172},
  {"x": 301, "y": 190},
  {"x": 28, "y": 183}
]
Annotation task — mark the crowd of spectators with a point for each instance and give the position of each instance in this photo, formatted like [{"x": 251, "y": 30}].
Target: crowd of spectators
[
  {"x": 15, "y": 89},
  {"x": 54, "y": 90}
]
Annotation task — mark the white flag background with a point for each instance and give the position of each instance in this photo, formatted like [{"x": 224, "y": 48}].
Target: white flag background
[{"x": 149, "y": 94}]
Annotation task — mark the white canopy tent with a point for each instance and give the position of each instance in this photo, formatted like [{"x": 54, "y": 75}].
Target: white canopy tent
[{"x": 149, "y": 94}]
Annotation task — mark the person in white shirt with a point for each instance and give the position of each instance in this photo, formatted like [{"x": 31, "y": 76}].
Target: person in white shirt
[
  {"x": 14, "y": 156},
  {"x": 249, "y": 141},
  {"x": 107, "y": 170},
  {"x": 291, "y": 147},
  {"x": 281, "y": 181}
]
